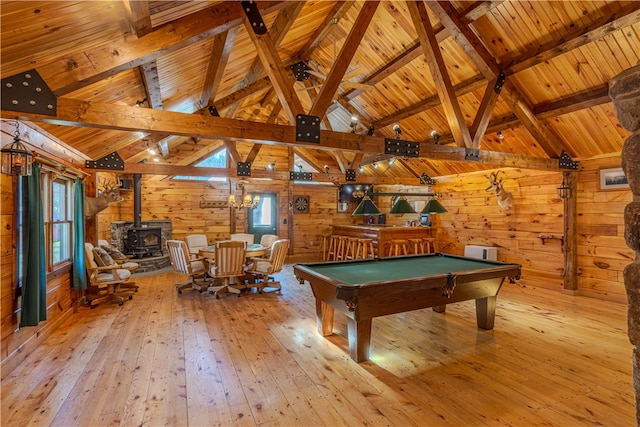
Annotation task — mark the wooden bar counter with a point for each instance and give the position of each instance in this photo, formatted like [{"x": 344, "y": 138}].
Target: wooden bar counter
[{"x": 381, "y": 234}]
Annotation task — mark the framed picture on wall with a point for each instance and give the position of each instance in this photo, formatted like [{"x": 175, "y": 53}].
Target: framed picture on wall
[{"x": 613, "y": 179}]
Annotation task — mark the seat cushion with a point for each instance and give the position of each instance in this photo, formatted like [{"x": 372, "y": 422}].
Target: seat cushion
[
  {"x": 121, "y": 275},
  {"x": 102, "y": 258}
]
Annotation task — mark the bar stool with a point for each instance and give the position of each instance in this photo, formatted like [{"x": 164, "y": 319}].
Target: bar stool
[
  {"x": 397, "y": 247},
  {"x": 416, "y": 246},
  {"x": 350, "y": 248},
  {"x": 429, "y": 245},
  {"x": 333, "y": 247},
  {"x": 326, "y": 242},
  {"x": 364, "y": 249},
  {"x": 342, "y": 247}
]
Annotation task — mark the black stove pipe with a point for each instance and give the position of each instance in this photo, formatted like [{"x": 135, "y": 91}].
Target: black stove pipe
[{"x": 137, "y": 200}]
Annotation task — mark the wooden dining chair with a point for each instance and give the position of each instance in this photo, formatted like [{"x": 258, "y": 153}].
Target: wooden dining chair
[
  {"x": 182, "y": 263},
  {"x": 195, "y": 242},
  {"x": 228, "y": 263},
  {"x": 264, "y": 268}
]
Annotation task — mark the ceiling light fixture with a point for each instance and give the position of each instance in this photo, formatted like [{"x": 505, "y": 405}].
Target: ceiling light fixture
[
  {"x": 140, "y": 102},
  {"x": 433, "y": 207},
  {"x": 500, "y": 135},
  {"x": 366, "y": 207},
  {"x": 401, "y": 206},
  {"x": 271, "y": 166},
  {"x": 371, "y": 130}
]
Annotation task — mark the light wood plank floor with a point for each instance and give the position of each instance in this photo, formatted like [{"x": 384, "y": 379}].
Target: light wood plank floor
[{"x": 169, "y": 359}]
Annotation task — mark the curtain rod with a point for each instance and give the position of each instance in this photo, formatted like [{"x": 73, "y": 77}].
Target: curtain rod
[{"x": 59, "y": 167}]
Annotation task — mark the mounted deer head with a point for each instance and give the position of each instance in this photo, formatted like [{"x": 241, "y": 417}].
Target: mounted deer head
[
  {"x": 505, "y": 198},
  {"x": 110, "y": 193}
]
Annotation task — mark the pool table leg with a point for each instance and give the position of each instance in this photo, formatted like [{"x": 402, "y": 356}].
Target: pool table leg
[
  {"x": 486, "y": 312},
  {"x": 324, "y": 317},
  {"x": 359, "y": 335}
]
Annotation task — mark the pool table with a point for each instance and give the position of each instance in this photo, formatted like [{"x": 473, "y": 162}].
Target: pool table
[{"x": 364, "y": 289}]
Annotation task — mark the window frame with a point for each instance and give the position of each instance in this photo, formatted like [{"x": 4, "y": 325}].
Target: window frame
[{"x": 48, "y": 182}]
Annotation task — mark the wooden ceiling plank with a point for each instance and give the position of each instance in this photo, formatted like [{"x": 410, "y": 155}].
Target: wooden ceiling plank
[
  {"x": 439, "y": 72},
  {"x": 243, "y": 93},
  {"x": 275, "y": 70},
  {"x": 483, "y": 116},
  {"x": 79, "y": 69},
  {"x": 479, "y": 9},
  {"x": 220, "y": 52},
  {"x": 337, "y": 12},
  {"x": 340, "y": 66},
  {"x": 596, "y": 30},
  {"x": 473, "y": 47}
]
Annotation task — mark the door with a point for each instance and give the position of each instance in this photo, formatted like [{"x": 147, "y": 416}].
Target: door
[{"x": 264, "y": 219}]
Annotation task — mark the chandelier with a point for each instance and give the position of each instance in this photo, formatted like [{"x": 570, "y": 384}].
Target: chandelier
[{"x": 247, "y": 201}]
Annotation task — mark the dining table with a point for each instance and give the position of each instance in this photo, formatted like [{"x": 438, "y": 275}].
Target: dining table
[{"x": 253, "y": 250}]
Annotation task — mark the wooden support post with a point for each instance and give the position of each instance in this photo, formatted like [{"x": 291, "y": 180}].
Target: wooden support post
[{"x": 570, "y": 234}]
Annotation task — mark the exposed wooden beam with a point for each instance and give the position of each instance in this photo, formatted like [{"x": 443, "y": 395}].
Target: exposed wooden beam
[
  {"x": 233, "y": 156},
  {"x": 274, "y": 68},
  {"x": 340, "y": 66},
  {"x": 98, "y": 115},
  {"x": 151, "y": 83},
  {"x": 139, "y": 16},
  {"x": 79, "y": 69},
  {"x": 546, "y": 137},
  {"x": 251, "y": 157},
  {"x": 220, "y": 52},
  {"x": 439, "y": 72},
  {"x": 480, "y": 123}
]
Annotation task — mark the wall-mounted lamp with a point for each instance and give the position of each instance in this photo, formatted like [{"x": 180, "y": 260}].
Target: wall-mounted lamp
[
  {"x": 16, "y": 159},
  {"x": 353, "y": 124},
  {"x": 140, "y": 102},
  {"x": 436, "y": 136},
  {"x": 247, "y": 202},
  {"x": 564, "y": 190},
  {"x": 397, "y": 130}
]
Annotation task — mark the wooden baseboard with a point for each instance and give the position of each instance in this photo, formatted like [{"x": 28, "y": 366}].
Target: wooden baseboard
[{"x": 17, "y": 356}]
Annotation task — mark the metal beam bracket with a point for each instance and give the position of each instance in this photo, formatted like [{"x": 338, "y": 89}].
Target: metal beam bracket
[
  {"x": 499, "y": 83},
  {"x": 244, "y": 169},
  {"x": 426, "y": 179},
  {"x": 28, "y": 93},
  {"x": 307, "y": 128},
  {"x": 350, "y": 175},
  {"x": 300, "y": 71},
  {"x": 300, "y": 176},
  {"x": 566, "y": 162},
  {"x": 111, "y": 161},
  {"x": 472, "y": 154},
  {"x": 253, "y": 15},
  {"x": 400, "y": 147}
]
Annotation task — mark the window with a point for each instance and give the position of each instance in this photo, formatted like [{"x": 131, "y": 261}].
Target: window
[
  {"x": 58, "y": 214},
  {"x": 216, "y": 160}
]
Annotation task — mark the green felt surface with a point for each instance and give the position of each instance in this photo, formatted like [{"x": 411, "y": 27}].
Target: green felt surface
[{"x": 397, "y": 268}]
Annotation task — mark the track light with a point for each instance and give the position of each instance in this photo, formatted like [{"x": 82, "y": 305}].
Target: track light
[
  {"x": 435, "y": 136},
  {"x": 361, "y": 169},
  {"x": 140, "y": 102},
  {"x": 271, "y": 166},
  {"x": 326, "y": 168},
  {"x": 353, "y": 124},
  {"x": 500, "y": 135},
  {"x": 391, "y": 161},
  {"x": 371, "y": 130},
  {"x": 300, "y": 168},
  {"x": 397, "y": 130}
]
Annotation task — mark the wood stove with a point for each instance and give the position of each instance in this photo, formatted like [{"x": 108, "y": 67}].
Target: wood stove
[{"x": 143, "y": 241}]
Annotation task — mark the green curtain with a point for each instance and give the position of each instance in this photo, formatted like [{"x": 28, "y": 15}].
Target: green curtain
[
  {"x": 79, "y": 276},
  {"x": 34, "y": 293}
]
